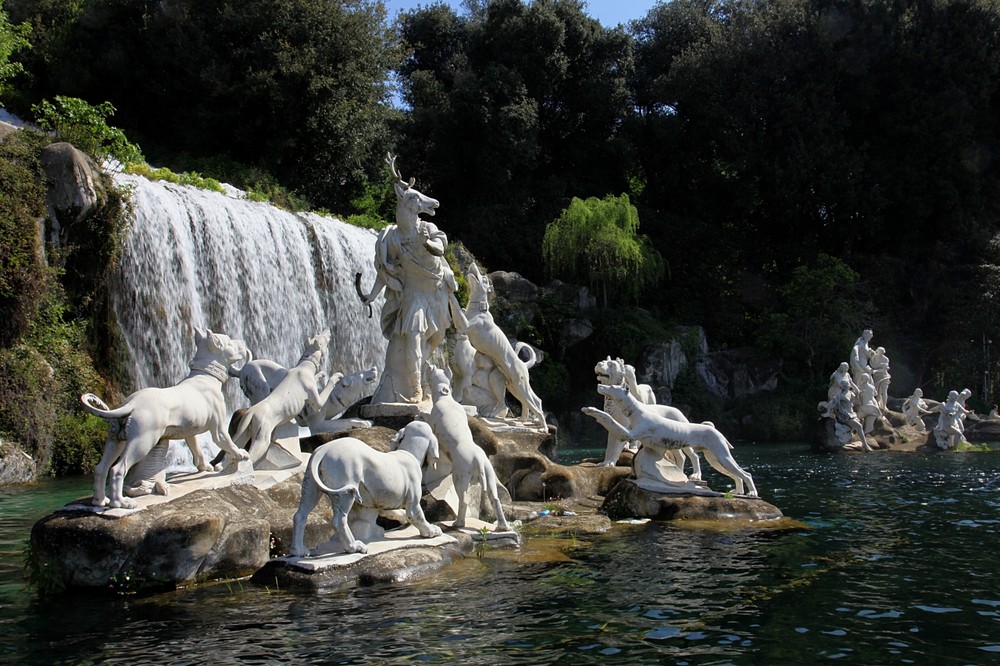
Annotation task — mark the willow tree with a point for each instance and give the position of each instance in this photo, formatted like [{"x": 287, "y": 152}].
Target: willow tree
[{"x": 597, "y": 241}]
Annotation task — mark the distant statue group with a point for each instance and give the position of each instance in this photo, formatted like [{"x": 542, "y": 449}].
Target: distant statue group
[{"x": 858, "y": 396}]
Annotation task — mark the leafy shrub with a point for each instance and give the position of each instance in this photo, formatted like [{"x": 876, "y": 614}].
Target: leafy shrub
[
  {"x": 186, "y": 178},
  {"x": 86, "y": 127},
  {"x": 22, "y": 271}
]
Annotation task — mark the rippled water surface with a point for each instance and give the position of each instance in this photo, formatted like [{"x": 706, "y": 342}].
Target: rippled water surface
[{"x": 900, "y": 565}]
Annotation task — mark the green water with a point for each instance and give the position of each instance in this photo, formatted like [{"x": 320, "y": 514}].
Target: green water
[{"x": 900, "y": 565}]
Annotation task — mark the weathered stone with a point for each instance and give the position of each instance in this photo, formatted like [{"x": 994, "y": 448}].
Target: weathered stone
[
  {"x": 16, "y": 466},
  {"x": 73, "y": 180},
  {"x": 385, "y": 567},
  {"x": 204, "y": 535},
  {"x": 734, "y": 374},
  {"x": 627, "y": 500},
  {"x": 513, "y": 287}
]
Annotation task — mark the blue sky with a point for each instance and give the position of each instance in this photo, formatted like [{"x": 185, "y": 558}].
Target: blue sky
[{"x": 609, "y": 12}]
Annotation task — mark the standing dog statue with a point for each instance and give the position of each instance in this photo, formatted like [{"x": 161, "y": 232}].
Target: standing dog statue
[
  {"x": 362, "y": 482},
  {"x": 193, "y": 406},
  {"x": 663, "y": 434},
  {"x": 286, "y": 401},
  {"x": 468, "y": 461}
]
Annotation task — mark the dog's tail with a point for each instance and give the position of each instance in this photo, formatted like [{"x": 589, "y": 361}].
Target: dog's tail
[
  {"x": 313, "y": 471},
  {"x": 97, "y": 407},
  {"x": 532, "y": 356},
  {"x": 237, "y": 373}
]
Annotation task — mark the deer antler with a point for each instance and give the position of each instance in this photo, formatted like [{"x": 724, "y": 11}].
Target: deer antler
[{"x": 390, "y": 159}]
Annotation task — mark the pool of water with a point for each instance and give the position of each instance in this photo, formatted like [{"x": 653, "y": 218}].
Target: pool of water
[{"x": 900, "y": 565}]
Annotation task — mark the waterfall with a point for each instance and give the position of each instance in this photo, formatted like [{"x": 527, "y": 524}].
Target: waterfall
[{"x": 195, "y": 258}]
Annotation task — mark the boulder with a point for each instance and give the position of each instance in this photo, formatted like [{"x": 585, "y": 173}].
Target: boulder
[
  {"x": 73, "y": 184},
  {"x": 513, "y": 287},
  {"x": 203, "y": 535},
  {"x": 628, "y": 500},
  {"x": 16, "y": 466}
]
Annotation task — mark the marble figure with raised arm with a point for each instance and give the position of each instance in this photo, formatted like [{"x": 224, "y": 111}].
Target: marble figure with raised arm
[{"x": 419, "y": 289}]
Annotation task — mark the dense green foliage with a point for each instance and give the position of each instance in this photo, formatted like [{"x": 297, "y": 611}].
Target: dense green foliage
[
  {"x": 292, "y": 87},
  {"x": 12, "y": 38},
  {"x": 597, "y": 241},
  {"x": 53, "y": 305},
  {"x": 86, "y": 127}
]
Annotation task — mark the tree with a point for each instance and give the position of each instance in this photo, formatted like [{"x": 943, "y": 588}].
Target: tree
[
  {"x": 13, "y": 38},
  {"x": 514, "y": 107},
  {"x": 298, "y": 88},
  {"x": 597, "y": 241}
]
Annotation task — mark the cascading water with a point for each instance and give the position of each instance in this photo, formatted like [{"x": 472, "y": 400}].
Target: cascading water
[{"x": 195, "y": 258}]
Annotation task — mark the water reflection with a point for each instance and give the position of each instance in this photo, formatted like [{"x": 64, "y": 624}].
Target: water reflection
[{"x": 898, "y": 566}]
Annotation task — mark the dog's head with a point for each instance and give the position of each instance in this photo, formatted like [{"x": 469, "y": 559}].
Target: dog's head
[
  {"x": 418, "y": 438},
  {"x": 218, "y": 347},
  {"x": 613, "y": 391},
  {"x": 480, "y": 286},
  {"x": 437, "y": 380},
  {"x": 318, "y": 343},
  {"x": 610, "y": 371},
  {"x": 358, "y": 382}
]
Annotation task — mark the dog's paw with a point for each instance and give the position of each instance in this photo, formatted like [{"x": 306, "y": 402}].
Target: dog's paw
[
  {"x": 124, "y": 503},
  {"x": 431, "y": 532},
  {"x": 104, "y": 501},
  {"x": 242, "y": 454},
  {"x": 357, "y": 547}
]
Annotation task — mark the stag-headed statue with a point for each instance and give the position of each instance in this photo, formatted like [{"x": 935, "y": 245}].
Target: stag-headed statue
[{"x": 419, "y": 288}]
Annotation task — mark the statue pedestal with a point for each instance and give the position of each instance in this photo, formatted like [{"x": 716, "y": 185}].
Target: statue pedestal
[
  {"x": 400, "y": 555},
  {"x": 629, "y": 500}
]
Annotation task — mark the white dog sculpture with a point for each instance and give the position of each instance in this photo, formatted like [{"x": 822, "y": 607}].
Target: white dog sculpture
[
  {"x": 663, "y": 434},
  {"x": 613, "y": 372},
  {"x": 362, "y": 482},
  {"x": 286, "y": 401},
  {"x": 347, "y": 390},
  {"x": 468, "y": 461},
  {"x": 487, "y": 339},
  {"x": 258, "y": 377},
  {"x": 193, "y": 406}
]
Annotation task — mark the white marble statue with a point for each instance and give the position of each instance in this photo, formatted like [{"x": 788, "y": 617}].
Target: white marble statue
[
  {"x": 949, "y": 431},
  {"x": 469, "y": 462},
  {"x": 663, "y": 434},
  {"x": 419, "y": 288},
  {"x": 846, "y": 421},
  {"x": 861, "y": 354},
  {"x": 257, "y": 377},
  {"x": 914, "y": 408},
  {"x": 286, "y": 401},
  {"x": 362, "y": 482},
  {"x": 487, "y": 339},
  {"x": 880, "y": 376},
  {"x": 614, "y": 371},
  {"x": 195, "y": 405},
  {"x": 868, "y": 409},
  {"x": 841, "y": 374},
  {"x": 347, "y": 390}
]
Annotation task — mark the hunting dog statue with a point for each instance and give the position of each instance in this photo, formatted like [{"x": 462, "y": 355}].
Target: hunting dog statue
[
  {"x": 286, "y": 401},
  {"x": 468, "y": 461},
  {"x": 362, "y": 482},
  {"x": 660, "y": 434},
  {"x": 193, "y": 406},
  {"x": 615, "y": 372}
]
